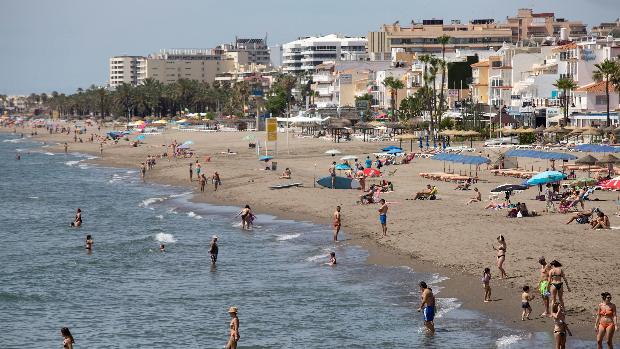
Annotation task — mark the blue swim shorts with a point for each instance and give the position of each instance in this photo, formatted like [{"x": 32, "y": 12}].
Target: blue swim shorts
[
  {"x": 429, "y": 313},
  {"x": 383, "y": 219}
]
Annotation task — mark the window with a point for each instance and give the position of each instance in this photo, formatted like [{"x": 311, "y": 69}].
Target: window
[{"x": 601, "y": 100}]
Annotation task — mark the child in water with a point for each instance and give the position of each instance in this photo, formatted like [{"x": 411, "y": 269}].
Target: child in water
[
  {"x": 332, "y": 258},
  {"x": 486, "y": 284},
  {"x": 162, "y": 248},
  {"x": 526, "y": 297}
]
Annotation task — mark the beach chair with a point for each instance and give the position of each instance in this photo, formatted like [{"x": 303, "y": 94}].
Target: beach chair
[
  {"x": 571, "y": 207},
  {"x": 587, "y": 194}
]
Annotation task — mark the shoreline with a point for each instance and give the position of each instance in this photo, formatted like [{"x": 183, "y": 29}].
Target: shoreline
[{"x": 462, "y": 284}]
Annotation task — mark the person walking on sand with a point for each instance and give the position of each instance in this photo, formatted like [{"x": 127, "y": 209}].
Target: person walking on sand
[
  {"x": 234, "y": 329},
  {"x": 543, "y": 285},
  {"x": 213, "y": 250},
  {"x": 383, "y": 216},
  {"x": 557, "y": 279},
  {"x": 486, "y": 284},
  {"x": 501, "y": 255},
  {"x": 526, "y": 297},
  {"x": 337, "y": 223},
  {"x": 428, "y": 305},
  {"x": 202, "y": 180},
  {"x": 332, "y": 173},
  {"x": 606, "y": 322},
  {"x": 191, "y": 171},
  {"x": 216, "y": 180},
  {"x": 101, "y": 148},
  {"x": 560, "y": 327},
  {"x": 67, "y": 338}
]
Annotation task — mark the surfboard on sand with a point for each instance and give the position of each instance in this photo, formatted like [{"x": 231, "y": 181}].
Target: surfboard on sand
[
  {"x": 287, "y": 185},
  {"x": 341, "y": 183}
]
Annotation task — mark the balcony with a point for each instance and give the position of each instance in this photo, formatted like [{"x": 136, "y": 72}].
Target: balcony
[{"x": 322, "y": 78}]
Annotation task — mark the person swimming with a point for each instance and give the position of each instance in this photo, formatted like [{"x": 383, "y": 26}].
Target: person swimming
[
  {"x": 162, "y": 248},
  {"x": 89, "y": 242},
  {"x": 332, "y": 258},
  {"x": 77, "y": 222}
]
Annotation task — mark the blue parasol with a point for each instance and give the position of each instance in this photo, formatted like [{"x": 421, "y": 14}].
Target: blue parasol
[
  {"x": 343, "y": 167},
  {"x": 394, "y": 151},
  {"x": 265, "y": 158},
  {"x": 545, "y": 177}
]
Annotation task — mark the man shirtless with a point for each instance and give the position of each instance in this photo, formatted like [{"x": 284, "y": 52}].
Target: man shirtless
[
  {"x": 383, "y": 216},
  {"x": 543, "y": 285},
  {"x": 337, "y": 223},
  {"x": 428, "y": 304}
]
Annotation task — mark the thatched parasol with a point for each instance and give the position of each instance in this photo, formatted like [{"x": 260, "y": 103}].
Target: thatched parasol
[
  {"x": 591, "y": 131},
  {"x": 540, "y": 129},
  {"x": 608, "y": 159},
  {"x": 586, "y": 160}
]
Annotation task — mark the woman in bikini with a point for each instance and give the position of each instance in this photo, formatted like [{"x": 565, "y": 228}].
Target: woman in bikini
[
  {"x": 89, "y": 242},
  {"x": 501, "y": 255},
  {"x": 234, "y": 329},
  {"x": 606, "y": 322},
  {"x": 556, "y": 281},
  {"x": 246, "y": 217},
  {"x": 560, "y": 327},
  {"x": 68, "y": 341}
]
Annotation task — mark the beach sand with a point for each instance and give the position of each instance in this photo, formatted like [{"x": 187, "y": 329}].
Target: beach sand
[{"x": 444, "y": 236}]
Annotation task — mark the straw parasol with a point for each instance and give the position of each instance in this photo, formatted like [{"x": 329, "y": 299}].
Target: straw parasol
[
  {"x": 450, "y": 133},
  {"x": 540, "y": 129},
  {"x": 470, "y": 133},
  {"x": 609, "y": 129},
  {"x": 608, "y": 159},
  {"x": 507, "y": 131},
  {"x": 586, "y": 160},
  {"x": 591, "y": 131}
]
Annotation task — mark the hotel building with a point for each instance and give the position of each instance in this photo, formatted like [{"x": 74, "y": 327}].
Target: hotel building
[{"x": 305, "y": 54}]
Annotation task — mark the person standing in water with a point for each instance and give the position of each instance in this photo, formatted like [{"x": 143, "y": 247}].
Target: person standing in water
[
  {"x": 143, "y": 170},
  {"x": 486, "y": 284},
  {"x": 606, "y": 322},
  {"x": 77, "y": 222},
  {"x": 543, "y": 285},
  {"x": 560, "y": 327},
  {"x": 383, "y": 216},
  {"x": 428, "y": 304},
  {"x": 101, "y": 148},
  {"x": 332, "y": 258},
  {"x": 213, "y": 250},
  {"x": 66, "y": 147},
  {"x": 89, "y": 243},
  {"x": 67, "y": 338},
  {"x": 234, "y": 329},
  {"x": 246, "y": 217},
  {"x": 337, "y": 223},
  {"x": 191, "y": 171}
]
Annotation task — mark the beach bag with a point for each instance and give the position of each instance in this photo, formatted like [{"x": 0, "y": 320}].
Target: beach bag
[{"x": 519, "y": 214}]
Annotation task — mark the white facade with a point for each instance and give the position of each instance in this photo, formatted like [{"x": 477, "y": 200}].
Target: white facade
[
  {"x": 125, "y": 70},
  {"x": 304, "y": 55}
]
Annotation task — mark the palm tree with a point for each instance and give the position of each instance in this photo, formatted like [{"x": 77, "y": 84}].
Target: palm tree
[
  {"x": 605, "y": 71},
  {"x": 103, "y": 100},
  {"x": 566, "y": 85},
  {"x": 394, "y": 85},
  {"x": 443, "y": 41}
]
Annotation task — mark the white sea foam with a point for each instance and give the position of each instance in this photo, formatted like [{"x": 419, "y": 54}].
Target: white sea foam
[
  {"x": 83, "y": 166},
  {"x": 72, "y": 163},
  {"x": 159, "y": 216},
  {"x": 287, "y": 237},
  {"x": 508, "y": 341},
  {"x": 130, "y": 171},
  {"x": 48, "y": 153},
  {"x": 16, "y": 140},
  {"x": 173, "y": 210},
  {"x": 150, "y": 201},
  {"x": 165, "y": 238},
  {"x": 33, "y": 197},
  {"x": 446, "y": 305},
  {"x": 180, "y": 195},
  {"x": 193, "y": 215},
  {"x": 319, "y": 256}
]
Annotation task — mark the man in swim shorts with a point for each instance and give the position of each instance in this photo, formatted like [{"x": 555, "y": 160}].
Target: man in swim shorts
[
  {"x": 383, "y": 216},
  {"x": 428, "y": 304},
  {"x": 332, "y": 173},
  {"x": 213, "y": 250},
  {"x": 543, "y": 285},
  {"x": 337, "y": 223}
]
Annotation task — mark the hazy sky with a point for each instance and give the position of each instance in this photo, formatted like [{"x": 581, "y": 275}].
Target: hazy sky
[{"x": 61, "y": 45}]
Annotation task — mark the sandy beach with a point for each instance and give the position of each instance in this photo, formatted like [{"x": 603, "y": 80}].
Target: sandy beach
[{"x": 443, "y": 236}]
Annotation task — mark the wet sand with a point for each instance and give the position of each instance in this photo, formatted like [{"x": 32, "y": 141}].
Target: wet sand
[{"x": 444, "y": 236}]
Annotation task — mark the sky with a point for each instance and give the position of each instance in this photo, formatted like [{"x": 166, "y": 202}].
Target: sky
[{"x": 60, "y": 45}]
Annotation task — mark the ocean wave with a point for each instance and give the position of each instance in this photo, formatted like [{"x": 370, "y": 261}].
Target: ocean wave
[
  {"x": 48, "y": 153},
  {"x": 150, "y": 201},
  {"x": 165, "y": 238},
  {"x": 33, "y": 197},
  {"x": 72, "y": 163},
  {"x": 324, "y": 255},
  {"x": 181, "y": 194},
  {"x": 286, "y": 237},
  {"x": 159, "y": 216},
  {"x": 191, "y": 214},
  {"x": 16, "y": 140},
  {"x": 446, "y": 305},
  {"x": 508, "y": 341}
]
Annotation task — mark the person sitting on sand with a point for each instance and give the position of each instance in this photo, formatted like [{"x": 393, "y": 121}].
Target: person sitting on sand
[
  {"x": 464, "y": 186},
  {"x": 476, "y": 198},
  {"x": 582, "y": 217},
  {"x": 424, "y": 194},
  {"x": 286, "y": 174},
  {"x": 601, "y": 221}
]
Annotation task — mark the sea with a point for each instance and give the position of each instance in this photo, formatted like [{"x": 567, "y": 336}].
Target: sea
[{"x": 128, "y": 294}]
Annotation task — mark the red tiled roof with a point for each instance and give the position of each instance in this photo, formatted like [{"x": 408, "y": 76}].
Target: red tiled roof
[
  {"x": 565, "y": 47},
  {"x": 594, "y": 87}
]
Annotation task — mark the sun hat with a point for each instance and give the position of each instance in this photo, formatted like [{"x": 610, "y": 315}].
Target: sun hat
[
  {"x": 214, "y": 236},
  {"x": 232, "y": 310}
]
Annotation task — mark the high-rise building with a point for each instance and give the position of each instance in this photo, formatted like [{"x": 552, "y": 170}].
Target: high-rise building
[
  {"x": 607, "y": 28},
  {"x": 125, "y": 70},
  {"x": 305, "y": 54},
  {"x": 480, "y": 34},
  {"x": 257, "y": 49},
  {"x": 527, "y": 25}
]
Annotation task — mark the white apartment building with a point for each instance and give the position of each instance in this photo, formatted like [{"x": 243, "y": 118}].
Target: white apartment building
[
  {"x": 305, "y": 54},
  {"x": 125, "y": 70}
]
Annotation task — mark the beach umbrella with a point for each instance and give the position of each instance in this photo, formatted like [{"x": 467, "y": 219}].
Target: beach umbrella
[
  {"x": 587, "y": 160},
  {"x": 333, "y": 152},
  {"x": 188, "y": 142},
  {"x": 140, "y": 138},
  {"x": 545, "y": 177},
  {"x": 349, "y": 157},
  {"x": 406, "y": 136},
  {"x": 608, "y": 159},
  {"x": 591, "y": 131},
  {"x": 391, "y": 147},
  {"x": 612, "y": 184},
  {"x": 265, "y": 158},
  {"x": 421, "y": 144},
  {"x": 183, "y": 146},
  {"x": 394, "y": 151},
  {"x": 343, "y": 167},
  {"x": 372, "y": 172},
  {"x": 508, "y": 187}
]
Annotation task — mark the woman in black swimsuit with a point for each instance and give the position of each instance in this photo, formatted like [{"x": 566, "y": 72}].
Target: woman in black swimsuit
[
  {"x": 67, "y": 342},
  {"x": 501, "y": 255},
  {"x": 78, "y": 218},
  {"x": 556, "y": 281},
  {"x": 560, "y": 327}
]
